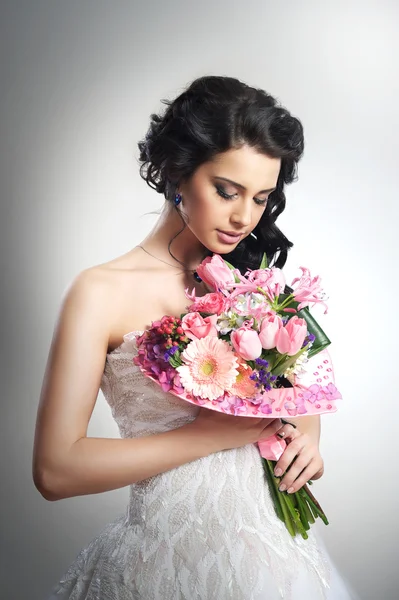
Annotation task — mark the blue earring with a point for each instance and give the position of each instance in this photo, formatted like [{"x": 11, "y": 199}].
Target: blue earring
[{"x": 178, "y": 199}]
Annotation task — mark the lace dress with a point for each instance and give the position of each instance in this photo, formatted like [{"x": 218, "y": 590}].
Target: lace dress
[{"x": 206, "y": 530}]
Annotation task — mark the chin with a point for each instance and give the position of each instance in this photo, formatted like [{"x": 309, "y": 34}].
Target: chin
[
  {"x": 218, "y": 247},
  {"x": 221, "y": 248}
]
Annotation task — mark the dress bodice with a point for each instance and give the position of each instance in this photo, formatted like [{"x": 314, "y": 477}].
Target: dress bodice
[{"x": 139, "y": 405}]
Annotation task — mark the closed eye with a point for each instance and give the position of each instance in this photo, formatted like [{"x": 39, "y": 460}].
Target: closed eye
[{"x": 223, "y": 194}]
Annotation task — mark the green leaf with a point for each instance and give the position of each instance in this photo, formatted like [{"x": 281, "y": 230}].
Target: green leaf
[
  {"x": 263, "y": 264},
  {"x": 288, "y": 362},
  {"x": 175, "y": 360},
  {"x": 229, "y": 265}
]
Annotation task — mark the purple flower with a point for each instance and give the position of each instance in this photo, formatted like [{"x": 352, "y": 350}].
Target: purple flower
[
  {"x": 170, "y": 352},
  {"x": 309, "y": 338},
  {"x": 262, "y": 362}
]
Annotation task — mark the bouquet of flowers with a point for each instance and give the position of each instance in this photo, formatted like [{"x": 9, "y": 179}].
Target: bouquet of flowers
[{"x": 248, "y": 348}]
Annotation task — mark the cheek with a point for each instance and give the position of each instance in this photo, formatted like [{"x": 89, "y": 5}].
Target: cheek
[{"x": 204, "y": 212}]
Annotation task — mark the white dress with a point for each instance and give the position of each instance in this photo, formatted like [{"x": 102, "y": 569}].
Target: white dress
[{"x": 206, "y": 530}]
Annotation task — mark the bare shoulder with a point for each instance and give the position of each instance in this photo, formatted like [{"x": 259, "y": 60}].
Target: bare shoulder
[
  {"x": 83, "y": 312},
  {"x": 129, "y": 292},
  {"x": 90, "y": 307},
  {"x": 120, "y": 282},
  {"x": 90, "y": 292}
]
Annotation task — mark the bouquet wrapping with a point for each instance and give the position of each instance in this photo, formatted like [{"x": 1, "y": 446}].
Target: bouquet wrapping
[{"x": 251, "y": 348}]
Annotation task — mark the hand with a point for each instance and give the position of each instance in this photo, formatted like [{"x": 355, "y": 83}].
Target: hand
[
  {"x": 222, "y": 431},
  {"x": 302, "y": 453}
]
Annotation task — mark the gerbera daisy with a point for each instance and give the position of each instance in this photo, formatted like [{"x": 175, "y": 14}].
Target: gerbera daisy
[
  {"x": 210, "y": 367},
  {"x": 244, "y": 387}
]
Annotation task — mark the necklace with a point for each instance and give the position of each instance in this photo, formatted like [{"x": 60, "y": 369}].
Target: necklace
[{"x": 195, "y": 274}]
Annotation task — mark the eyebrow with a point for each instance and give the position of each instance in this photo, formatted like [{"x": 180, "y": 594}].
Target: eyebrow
[{"x": 242, "y": 187}]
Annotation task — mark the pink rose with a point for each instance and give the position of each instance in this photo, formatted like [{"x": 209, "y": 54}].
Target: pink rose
[
  {"x": 196, "y": 327},
  {"x": 291, "y": 337},
  {"x": 213, "y": 303},
  {"x": 246, "y": 343},
  {"x": 269, "y": 330},
  {"x": 215, "y": 273}
]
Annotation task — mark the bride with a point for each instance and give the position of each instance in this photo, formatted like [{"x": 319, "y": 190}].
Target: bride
[{"x": 200, "y": 523}]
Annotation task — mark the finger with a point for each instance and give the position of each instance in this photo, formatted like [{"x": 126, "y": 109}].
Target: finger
[
  {"x": 300, "y": 463},
  {"x": 303, "y": 478},
  {"x": 290, "y": 452},
  {"x": 269, "y": 429},
  {"x": 319, "y": 473},
  {"x": 288, "y": 431},
  {"x": 273, "y": 423}
]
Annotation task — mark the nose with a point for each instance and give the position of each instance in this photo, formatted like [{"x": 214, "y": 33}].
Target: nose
[{"x": 242, "y": 213}]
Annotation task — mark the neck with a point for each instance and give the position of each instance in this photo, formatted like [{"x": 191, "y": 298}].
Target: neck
[{"x": 185, "y": 246}]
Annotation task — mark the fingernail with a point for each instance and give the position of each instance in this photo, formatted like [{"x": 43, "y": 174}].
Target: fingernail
[
  {"x": 290, "y": 490},
  {"x": 282, "y": 487},
  {"x": 277, "y": 472}
]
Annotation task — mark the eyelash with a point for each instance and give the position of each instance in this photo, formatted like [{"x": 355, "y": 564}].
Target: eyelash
[{"x": 223, "y": 194}]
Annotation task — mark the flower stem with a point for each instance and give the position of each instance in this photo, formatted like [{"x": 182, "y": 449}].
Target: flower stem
[
  {"x": 298, "y": 510},
  {"x": 313, "y": 503},
  {"x": 270, "y": 477},
  {"x": 296, "y": 516},
  {"x": 286, "y": 302},
  {"x": 289, "y": 521},
  {"x": 279, "y": 504},
  {"x": 304, "y": 512}
]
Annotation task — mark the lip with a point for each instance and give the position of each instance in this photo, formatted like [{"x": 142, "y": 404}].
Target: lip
[{"x": 229, "y": 237}]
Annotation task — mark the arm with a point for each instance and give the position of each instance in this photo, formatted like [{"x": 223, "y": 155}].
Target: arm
[
  {"x": 65, "y": 461},
  {"x": 95, "y": 465}
]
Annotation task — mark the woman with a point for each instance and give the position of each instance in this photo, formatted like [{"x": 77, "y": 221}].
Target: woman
[{"x": 200, "y": 524}]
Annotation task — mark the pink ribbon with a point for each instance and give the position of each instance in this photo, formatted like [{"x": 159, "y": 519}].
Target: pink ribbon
[{"x": 272, "y": 448}]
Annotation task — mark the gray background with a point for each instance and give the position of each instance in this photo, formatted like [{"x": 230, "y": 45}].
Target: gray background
[{"x": 78, "y": 83}]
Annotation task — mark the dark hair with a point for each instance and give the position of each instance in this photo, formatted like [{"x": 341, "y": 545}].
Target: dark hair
[{"x": 213, "y": 115}]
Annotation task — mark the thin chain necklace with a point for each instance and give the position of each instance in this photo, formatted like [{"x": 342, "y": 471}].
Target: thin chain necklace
[{"x": 194, "y": 273}]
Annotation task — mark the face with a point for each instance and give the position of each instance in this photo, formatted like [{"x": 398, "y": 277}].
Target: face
[{"x": 226, "y": 197}]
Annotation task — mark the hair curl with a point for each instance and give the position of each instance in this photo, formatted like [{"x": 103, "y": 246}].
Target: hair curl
[{"x": 213, "y": 115}]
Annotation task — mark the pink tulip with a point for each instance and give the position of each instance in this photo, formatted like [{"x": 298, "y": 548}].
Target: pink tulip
[
  {"x": 246, "y": 343},
  {"x": 291, "y": 337},
  {"x": 269, "y": 330},
  {"x": 215, "y": 273}
]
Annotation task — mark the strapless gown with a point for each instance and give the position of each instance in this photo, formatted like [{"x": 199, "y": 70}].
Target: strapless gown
[{"x": 206, "y": 530}]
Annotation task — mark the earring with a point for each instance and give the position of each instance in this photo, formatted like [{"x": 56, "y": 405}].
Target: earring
[{"x": 178, "y": 199}]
